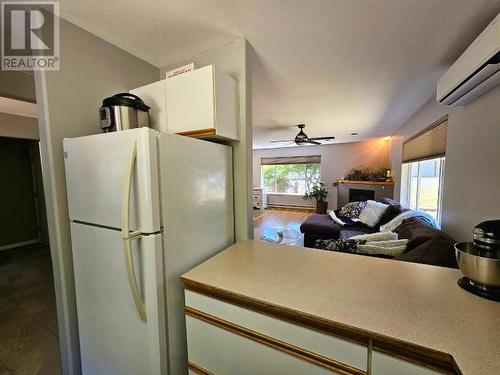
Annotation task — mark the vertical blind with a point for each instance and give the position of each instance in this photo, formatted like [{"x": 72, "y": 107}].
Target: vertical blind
[
  {"x": 429, "y": 143},
  {"x": 291, "y": 160}
]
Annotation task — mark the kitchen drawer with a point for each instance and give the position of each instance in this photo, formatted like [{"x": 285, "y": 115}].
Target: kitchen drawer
[
  {"x": 222, "y": 352},
  {"x": 383, "y": 364},
  {"x": 328, "y": 346}
]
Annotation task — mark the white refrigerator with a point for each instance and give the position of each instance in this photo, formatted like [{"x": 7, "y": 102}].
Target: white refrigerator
[{"x": 144, "y": 208}]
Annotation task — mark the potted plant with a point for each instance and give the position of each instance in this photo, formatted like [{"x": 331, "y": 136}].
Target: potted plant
[
  {"x": 367, "y": 174},
  {"x": 320, "y": 193}
]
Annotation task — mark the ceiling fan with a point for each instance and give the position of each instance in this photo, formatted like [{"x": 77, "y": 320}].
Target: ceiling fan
[{"x": 302, "y": 139}]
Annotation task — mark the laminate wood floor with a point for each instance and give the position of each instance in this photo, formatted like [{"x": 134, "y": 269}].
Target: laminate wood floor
[
  {"x": 280, "y": 218},
  {"x": 29, "y": 342}
]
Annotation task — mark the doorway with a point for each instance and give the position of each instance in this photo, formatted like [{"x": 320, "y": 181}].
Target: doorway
[{"x": 29, "y": 341}]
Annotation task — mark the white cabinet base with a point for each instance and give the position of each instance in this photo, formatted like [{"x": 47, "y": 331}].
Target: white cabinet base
[
  {"x": 383, "y": 364},
  {"x": 222, "y": 352}
]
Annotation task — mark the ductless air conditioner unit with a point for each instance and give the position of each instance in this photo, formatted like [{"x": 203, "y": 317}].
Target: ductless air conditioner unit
[{"x": 476, "y": 71}]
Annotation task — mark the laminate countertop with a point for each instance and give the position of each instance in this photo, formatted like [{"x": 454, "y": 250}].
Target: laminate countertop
[{"x": 404, "y": 303}]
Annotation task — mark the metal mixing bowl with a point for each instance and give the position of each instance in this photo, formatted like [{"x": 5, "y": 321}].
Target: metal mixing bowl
[{"x": 478, "y": 266}]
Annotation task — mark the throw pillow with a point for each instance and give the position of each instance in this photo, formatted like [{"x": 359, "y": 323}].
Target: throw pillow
[
  {"x": 392, "y": 211},
  {"x": 352, "y": 209},
  {"x": 371, "y": 214}
]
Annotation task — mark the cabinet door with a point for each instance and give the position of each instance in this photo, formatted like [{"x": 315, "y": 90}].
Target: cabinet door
[
  {"x": 190, "y": 101},
  {"x": 383, "y": 364},
  {"x": 222, "y": 352},
  {"x": 154, "y": 96},
  {"x": 331, "y": 347}
]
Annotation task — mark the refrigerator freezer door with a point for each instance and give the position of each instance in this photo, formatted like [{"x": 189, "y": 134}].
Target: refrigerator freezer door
[
  {"x": 97, "y": 175},
  {"x": 197, "y": 216},
  {"x": 113, "y": 337}
]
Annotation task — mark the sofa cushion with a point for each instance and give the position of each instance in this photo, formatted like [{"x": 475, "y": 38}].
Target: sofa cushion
[
  {"x": 417, "y": 231},
  {"x": 318, "y": 223},
  {"x": 346, "y": 234},
  {"x": 391, "y": 202},
  {"x": 326, "y": 228},
  {"x": 392, "y": 211},
  {"x": 437, "y": 251}
]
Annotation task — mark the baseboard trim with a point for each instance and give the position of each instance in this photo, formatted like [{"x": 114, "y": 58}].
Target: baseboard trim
[
  {"x": 291, "y": 208},
  {"x": 19, "y": 244}
]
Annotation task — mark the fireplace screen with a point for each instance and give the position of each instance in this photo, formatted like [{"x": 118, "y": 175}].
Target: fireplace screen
[{"x": 358, "y": 195}]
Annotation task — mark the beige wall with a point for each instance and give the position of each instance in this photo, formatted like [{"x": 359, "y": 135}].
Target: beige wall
[
  {"x": 336, "y": 160},
  {"x": 419, "y": 121},
  {"x": 234, "y": 59},
  {"x": 17, "y": 85},
  {"x": 68, "y": 101},
  {"x": 472, "y": 175},
  {"x": 14, "y": 126}
]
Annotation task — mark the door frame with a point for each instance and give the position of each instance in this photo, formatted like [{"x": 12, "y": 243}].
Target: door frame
[{"x": 59, "y": 238}]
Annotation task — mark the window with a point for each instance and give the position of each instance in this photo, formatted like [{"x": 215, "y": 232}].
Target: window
[
  {"x": 290, "y": 175},
  {"x": 422, "y": 186},
  {"x": 423, "y": 169}
]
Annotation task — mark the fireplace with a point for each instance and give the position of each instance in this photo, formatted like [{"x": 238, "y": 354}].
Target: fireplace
[
  {"x": 357, "y": 195},
  {"x": 350, "y": 191}
]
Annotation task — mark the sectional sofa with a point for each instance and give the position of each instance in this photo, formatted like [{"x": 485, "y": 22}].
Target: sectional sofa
[{"x": 426, "y": 244}]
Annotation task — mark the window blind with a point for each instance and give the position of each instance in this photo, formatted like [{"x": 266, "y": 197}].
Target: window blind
[
  {"x": 291, "y": 160},
  {"x": 429, "y": 143}
]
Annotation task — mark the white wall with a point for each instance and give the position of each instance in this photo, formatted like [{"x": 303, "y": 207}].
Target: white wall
[
  {"x": 472, "y": 174},
  {"x": 68, "y": 101},
  {"x": 336, "y": 161},
  {"x": 15, "y": 126}
]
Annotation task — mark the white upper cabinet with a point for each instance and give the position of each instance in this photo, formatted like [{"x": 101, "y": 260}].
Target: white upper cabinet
[
  {"x": 202, "y": 103},
  {"x": 154, "y": 96}
]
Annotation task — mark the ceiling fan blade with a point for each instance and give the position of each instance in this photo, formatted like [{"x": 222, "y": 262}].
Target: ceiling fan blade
[
  {"x": 321, "y": 138},
  {"x": 283, "y": 140}
]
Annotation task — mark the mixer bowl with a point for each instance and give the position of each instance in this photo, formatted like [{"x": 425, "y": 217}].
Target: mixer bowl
[{"x": 477, "y": 266}]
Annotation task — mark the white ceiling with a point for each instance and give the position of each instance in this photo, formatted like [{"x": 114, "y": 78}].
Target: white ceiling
[{"x": 340, "y": 66}]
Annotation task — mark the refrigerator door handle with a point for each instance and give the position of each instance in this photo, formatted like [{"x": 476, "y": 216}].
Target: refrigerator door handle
[
  {"x": 136, "y": 294},
  {"x": 129, "y": 236}
]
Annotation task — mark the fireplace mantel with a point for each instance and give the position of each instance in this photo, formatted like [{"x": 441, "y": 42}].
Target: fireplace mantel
[
  {"x": 373, "y": 189},
  {"x": 381, "y": 183}
]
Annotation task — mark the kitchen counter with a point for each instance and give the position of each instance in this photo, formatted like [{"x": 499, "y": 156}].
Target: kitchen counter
[{"x": 412, "y": 311}]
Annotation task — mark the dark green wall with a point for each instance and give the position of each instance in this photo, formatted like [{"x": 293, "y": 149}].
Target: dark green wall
[{"x": 18, "y": 221}]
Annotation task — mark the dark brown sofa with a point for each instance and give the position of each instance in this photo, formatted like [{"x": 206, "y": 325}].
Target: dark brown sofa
[{"x": 426, "y": 244}]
